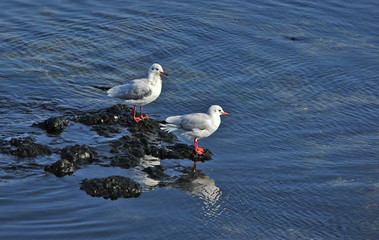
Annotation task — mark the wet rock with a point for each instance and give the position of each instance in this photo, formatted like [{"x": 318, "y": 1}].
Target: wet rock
[
  {"x": 181, "y": 151},
  {"x": 106, "y": 130},
  {"x": 53, "y": 125},
  {"x": 123, "y": 115},
  {"x": 156, "y": 172},
  {"x": 142, "y": 143},
  {"x": 78, "y": 154},
  {"x": 72, "y": 158},
  {"x": 167, "y": 137},
  {"x": 89, "y": 119},
  {"x": 159, "y": 152},
  {"x": 128, "y": 145},
  {"x": 61, "y": 168},
  {"x": 112, "y": 187},
  {"x": 187, "y": 151},
  {"x": 25, "y": 147},
  {"x": 113, "y": 115},
  {"x": 153, "y": 128},
  {"x": 125, "y": 161}
]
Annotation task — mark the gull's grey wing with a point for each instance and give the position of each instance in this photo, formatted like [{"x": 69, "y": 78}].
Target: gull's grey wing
[
  {"x": 136, "y": 90},
  {"x": 194, "y": 121}
]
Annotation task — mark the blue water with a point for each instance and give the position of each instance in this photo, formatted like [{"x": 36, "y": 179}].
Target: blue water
[{"x": 297, "y": 159}]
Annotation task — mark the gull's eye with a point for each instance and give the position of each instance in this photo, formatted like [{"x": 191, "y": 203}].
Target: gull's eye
[{"x": 219, "y": 110}]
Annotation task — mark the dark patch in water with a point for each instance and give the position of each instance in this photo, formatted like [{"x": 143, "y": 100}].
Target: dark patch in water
[{"x": 296, "y": 38}]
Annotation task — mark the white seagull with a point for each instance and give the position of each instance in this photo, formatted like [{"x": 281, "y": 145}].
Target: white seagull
[
  {"x": 140, "y": 91},
  {"x": 195, "y": 126}
]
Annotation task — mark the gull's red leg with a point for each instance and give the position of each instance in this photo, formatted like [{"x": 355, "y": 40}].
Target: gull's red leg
[
  {"x": 194, "y": 166},
  {"x": 143, "y": 117},
  {"x": 136, "y": 118},
  {"x": 198, "y": 149}
]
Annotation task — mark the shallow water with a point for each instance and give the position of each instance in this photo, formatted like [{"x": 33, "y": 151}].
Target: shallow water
[{"x": 297, "y": 159}]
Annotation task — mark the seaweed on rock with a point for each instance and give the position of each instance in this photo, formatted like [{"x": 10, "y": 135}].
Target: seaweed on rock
[
  {"x": 53, "y": 125},
  {"x": 112, "y": 187},
  {"x": 24, "y": 147}
]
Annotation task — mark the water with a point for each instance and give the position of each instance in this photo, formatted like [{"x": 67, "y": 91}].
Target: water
[{"x": 297, "y": 159}]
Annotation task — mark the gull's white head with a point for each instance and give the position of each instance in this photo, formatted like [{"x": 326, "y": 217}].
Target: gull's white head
[
  {"x": 216, "y": 109},
  {"x": 156, "y": 70}
]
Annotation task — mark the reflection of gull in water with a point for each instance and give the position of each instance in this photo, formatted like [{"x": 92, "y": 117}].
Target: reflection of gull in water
[
  {"x": 200, "y": 185},
  {"x": 147, "y": 161},
  {"x": 195, "y": 183}
]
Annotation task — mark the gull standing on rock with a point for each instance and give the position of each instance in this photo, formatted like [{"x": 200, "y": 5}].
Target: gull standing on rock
[
  {"x": 195, "y": 126},
  {"x": 140, "y": 91}
]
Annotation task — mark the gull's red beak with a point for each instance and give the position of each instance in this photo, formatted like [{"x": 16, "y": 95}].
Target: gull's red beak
[
  {"x": 164, "y": 73},
  {"x": 225, "y": 113}
]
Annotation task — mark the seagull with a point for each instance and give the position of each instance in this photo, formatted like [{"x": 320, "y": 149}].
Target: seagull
[
  {"x": 195, "y": 126},
  {"x": 140, "y": 91}
]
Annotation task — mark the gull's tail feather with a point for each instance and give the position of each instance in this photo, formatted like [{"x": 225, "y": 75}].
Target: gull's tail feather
[
  {"x": 114, "y": 92},
  {"x": 169, "y": 127},
  {"x": 174, "y": 120},
  {"x": 171, "y": 123}
]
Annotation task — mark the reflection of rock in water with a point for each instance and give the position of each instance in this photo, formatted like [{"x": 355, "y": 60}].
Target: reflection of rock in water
[{"x": 200, "y": 185}]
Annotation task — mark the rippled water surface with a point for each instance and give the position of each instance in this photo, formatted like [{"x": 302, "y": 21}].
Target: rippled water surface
[{"x": 297, "y": 159}]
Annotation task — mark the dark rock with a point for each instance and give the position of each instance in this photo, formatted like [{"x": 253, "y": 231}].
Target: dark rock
[
  {"x": 72, "y": 158},
  {"x": 90, "y": 119},
  {"x": 146, "y": 125},
  {"x": 139, "y": 140},
  {"x": 152, "y": 129},
  {"x": 111, "y": 187},
  {"x": 130, "y": 145},
  {"x": 53, "y": 125},
  {"x": 123, "y": 115},
  {"x": 78, "y": 154},
  {"x": 159, "y": 152},
  {"x": 180, "y": 151},
  {"x": 106, "y": 130},
  {"x": 156, "y": 172},
  {"x": 125, "y": 161},
  {"x": 25, "y": 147},
  {"x": 61, "y": 168},
  {"x": 167, "y": 137},
  {"x": 113, "y": 115},
  {"x": 186, "y": 151}
]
